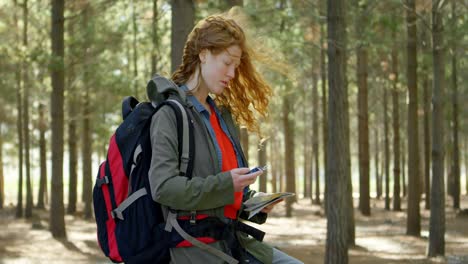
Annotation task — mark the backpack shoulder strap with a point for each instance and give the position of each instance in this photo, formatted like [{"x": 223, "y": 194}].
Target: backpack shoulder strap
[{"x": 184, "y": 135}]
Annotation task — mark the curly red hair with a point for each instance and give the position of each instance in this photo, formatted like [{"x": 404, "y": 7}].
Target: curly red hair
[{"x": 248, "y": 89}]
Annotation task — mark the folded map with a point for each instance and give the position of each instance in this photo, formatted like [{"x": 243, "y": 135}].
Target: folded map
[{"x": 255, "y": 204}]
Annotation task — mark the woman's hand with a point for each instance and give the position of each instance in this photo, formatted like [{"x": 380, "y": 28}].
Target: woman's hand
[
  {"x": 240, "y": 179},
  {"x": 270, "y": 207}
]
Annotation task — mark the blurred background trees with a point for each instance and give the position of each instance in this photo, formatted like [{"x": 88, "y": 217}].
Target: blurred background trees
[{"x": 390, "y": 77}]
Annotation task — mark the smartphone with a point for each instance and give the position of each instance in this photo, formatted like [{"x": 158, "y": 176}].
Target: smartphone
[{"x": 264, "y": 168}]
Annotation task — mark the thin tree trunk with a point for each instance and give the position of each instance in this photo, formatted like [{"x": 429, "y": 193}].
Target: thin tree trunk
[
  {"x": 41, "y": 196},
  {"x": 448, "y": 160},
  {"x": 57, "y": 219},
  {"x": 274, "y": 161},
  {"x": 73, "y": 157},
  {"x": 456, "y": 147},
  {"x": 427, "y": 141},
  {"x": 2, "y": 180},
  {"x": 183, "y": 16},
  {"x": 396, "y": 125},
  {"x": 466, "y": 166},
  {"x": 281, "y": 166},
  {"x": 386, "y": 161},
  {"x": 437, "y": 218},
  {"x": 289, "y": 161},
  {"x": 87, "y": 128},
  {"x": 363, "y": 115},
  {"x": 244, "y": 138},
  {"x": 306, "y": 148},
  {"x": 155, "y": 39},
  {"x": 413, "y": 223},
  {"x": 26, "y": 89},
  {"x": 72, "y": 124},
  {"x": 306, "y": 145},
  {"x": 426, "y": 147},
  {"x": 378, "y": 185},
  {"x": 315, "y": 139},
  {"x": 323, "y": 72},
  {"x": 262, "y": 160},
  {"x": 337, "y": 174},
  {"x": 134, "y": 49},
  {"x": 19, "y": 122},
  {"x": 403, "y": 169}
]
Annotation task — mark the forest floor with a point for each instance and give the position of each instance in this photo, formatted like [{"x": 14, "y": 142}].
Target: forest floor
[{"x": 379, "y": 239}]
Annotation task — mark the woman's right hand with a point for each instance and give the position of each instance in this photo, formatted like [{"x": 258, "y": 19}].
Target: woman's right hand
[{"x": 240, "y": 179}]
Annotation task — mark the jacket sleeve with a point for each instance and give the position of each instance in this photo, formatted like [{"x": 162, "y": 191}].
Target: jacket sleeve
[{"x": 171, "y": 189}]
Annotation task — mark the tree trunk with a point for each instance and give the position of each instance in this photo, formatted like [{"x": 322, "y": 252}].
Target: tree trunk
[
  {"x": 427, "y": 142},
  {"x": 337, "y": 173},
  {"x": 244, "y": 138},
  {"x": 134, "y": 49},
  {"x": 183, "y": 16},
  {"x": 466, "y": 166},
  {"x": 19, "y": 122},
  {"x": 315, "y": 139},
  {"x": 57, "y": 219},
  {"x": 403, "y": 170},
  {"x": 386, "y": 158},
  {"x": 42, "y": 194},
  {"x": 2, "y": 179},
  {"x": 282, "y": 172},
  {"x": 363, "y": 114},
  {"x": 72, "y": 123},
  {"x": 306, "y": 148},
  {"x": 456, "y": 147},
  {"x": 87, "y": 128},
  {"x": 262, "y": 161},
  {"x": 274, "y": 171},
  {"x": 413, "y": 223},
  {"x": 349, "y": 190},
  {"x": 437, "y": 218},
  {"x": 378, "y": 180},
  {"x": 289, "y": 161},
  {"x": 323, "y": 73},
  {"x": 426, "y": 146},
  {"x": 26, "y": 89},
  {"x": 396, "y": 125},
  {"x": 155, "y": 39},
  {"x": 448, "y": 160}
]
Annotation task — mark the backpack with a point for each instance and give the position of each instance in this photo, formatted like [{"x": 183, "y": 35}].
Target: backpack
[{"x": 130, "y": 225}]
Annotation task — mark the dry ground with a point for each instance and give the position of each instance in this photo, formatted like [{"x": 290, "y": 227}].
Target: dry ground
[{"x": 379, "y": 238}]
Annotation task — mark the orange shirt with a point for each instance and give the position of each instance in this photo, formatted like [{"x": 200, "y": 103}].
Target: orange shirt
[{"x": 229, "y": 162}]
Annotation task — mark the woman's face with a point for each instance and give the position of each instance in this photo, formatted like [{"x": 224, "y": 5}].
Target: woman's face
[{"x": 219, "y": 69}]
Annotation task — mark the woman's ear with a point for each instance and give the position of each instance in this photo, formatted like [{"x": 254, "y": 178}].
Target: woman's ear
[{"x": 202, "y": 56}]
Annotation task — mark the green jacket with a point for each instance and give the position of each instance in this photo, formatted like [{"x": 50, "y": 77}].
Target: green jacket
[{"x": 209, "y": 190}]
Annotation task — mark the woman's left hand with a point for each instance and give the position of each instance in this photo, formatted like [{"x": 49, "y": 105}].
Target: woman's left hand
[{"x": 268, "y": 208}]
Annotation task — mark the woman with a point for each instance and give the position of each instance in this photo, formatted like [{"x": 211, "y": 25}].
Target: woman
[{"x": 216, "y": 61}]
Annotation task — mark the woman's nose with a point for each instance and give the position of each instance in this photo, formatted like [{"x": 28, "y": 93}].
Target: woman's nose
[{"x": 231, "y": 73}]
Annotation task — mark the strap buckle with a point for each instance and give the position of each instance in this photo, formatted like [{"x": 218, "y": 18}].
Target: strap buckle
[
  {"x": 103, "y": 180},
  {"x": 193, "y": 217}
]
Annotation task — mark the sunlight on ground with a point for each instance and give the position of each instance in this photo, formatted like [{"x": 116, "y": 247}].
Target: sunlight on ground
[
  {"x": 380, "y": 244},
  {"x": 380, "y": 238}
]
